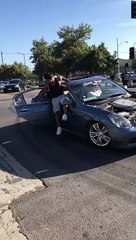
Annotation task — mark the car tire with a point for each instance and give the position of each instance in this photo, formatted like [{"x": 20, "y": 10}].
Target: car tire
[
  {"x": 5, "y": 91},
  {"x": 98, "y": 135}
]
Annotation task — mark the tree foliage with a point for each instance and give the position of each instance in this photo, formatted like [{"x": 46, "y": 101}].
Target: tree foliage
[
  {"x": 71, "y": 53},
  {"x": 16, "y": 70}
]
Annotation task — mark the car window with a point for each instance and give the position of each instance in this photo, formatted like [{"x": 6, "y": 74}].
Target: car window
[
  {"x": 97, "y": 89},
  {"x": 35, "y": 95}
]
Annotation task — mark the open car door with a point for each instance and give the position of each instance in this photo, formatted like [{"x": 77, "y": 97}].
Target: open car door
[{"x": 31, "y": 106}]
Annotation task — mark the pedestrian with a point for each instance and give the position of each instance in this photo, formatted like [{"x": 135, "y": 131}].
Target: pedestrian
[
  {"x": 126, "y": 79},
  {"x": 122, "y": 78},
  {"x": 55, "y": 91},
  {"x": 134, "y": 78}
]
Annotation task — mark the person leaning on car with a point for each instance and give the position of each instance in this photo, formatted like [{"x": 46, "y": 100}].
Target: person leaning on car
[{"x": 55, "y": 90}]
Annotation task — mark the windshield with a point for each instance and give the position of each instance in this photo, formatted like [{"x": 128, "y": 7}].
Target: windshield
[
  {"x": 97, "y": 90},
  {"x": 14, "y": 81}
]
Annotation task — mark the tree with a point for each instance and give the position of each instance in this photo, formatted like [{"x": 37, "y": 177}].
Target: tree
[
  {"x": 16, "y": 70},
  {"x": 71, "y": 48},
  {"x": 40, "y": 56},
  {"x": 97, "y": 60},
  {"x": 72, "y": 36},
  {"x": 71, "y": 53}
]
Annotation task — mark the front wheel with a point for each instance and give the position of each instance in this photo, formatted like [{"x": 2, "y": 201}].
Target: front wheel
[
  {"x": 98, "y": 135},
  {"x": 5, "y": 91}
]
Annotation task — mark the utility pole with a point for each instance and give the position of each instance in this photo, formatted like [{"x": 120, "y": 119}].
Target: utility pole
[
  {"x": 118, "y": 60},
  {"x": 23, "y": 57},
  {"x": 1, "y": 53}
]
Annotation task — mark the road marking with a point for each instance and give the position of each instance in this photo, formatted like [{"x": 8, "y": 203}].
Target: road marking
[{"x": 4, "y": 94}]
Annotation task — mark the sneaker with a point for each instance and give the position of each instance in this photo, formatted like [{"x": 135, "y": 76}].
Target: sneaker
[
  {"x": 59, "y": 131},
  {"x": 64, "y": 117}
]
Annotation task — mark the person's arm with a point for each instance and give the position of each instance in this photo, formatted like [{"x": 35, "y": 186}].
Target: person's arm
[
  {"x": 61, "y": 78},
  {"x": 64, "y": 78},
  {"x": 46, "y": 86}
]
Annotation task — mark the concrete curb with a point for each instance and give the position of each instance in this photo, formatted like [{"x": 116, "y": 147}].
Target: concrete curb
[{"x": 15, "y": 180}]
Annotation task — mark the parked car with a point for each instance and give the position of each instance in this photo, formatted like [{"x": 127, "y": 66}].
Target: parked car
[
  {"x": 98, "y": 108},
  {"x": 14, "y": 85},
  {"x": 2, "y": 84},
  {"x": 42, "y": 83}
]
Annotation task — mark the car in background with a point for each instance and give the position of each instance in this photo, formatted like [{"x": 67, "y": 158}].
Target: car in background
[
  {"x": 14, "y": 85},
  {"x": 2, "y": 84},
  {"x": 98, "y": 108},
  {"x": 42, "y": 84}
]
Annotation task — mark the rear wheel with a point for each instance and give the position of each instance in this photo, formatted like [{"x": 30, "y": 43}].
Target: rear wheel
[{"x": 98, "y": 135}]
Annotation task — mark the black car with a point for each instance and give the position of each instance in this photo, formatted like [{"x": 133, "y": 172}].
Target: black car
[{"x": 14, "y": 85}]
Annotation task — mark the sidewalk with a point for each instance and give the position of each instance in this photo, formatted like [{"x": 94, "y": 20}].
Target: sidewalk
[{"x": 15, "y": 181}]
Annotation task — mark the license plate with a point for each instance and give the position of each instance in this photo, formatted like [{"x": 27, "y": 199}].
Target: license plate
[{"x": 9, "y": 88}]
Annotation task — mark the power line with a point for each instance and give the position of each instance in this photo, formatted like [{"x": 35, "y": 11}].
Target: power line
[{"x": 16, "y": 53}]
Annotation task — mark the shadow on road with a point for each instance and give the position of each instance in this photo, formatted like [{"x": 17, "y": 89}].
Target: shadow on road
[{"x": 46, "y": 155}]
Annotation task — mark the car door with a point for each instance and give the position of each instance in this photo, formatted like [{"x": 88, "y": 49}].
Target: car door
[
  {"x": 75, "y": 121},
  {"x": 32, "y": 111}
]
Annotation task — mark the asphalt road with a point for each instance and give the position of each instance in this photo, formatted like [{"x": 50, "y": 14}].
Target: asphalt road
[{"x": 90, "y": 193}]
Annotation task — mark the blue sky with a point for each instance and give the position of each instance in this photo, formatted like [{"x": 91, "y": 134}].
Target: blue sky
[{"x": 21, "y": 21}]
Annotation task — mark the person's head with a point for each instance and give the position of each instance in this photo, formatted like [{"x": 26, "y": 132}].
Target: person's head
[
  {"x": 96, "y": 89},
  {"x": 47, "y": 77}
]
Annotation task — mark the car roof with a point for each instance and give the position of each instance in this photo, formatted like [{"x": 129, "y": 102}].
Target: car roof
[
  {"x": 2, "y": 82},
  {"x": 15, "y": 79},
  {"x": 86, "y": 79}
]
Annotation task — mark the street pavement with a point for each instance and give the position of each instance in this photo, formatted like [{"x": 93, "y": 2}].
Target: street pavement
[
  {"x": 96, "y": 204},
  {"x": 15, "y": 181},
  {"x": 88, "y": 205}
]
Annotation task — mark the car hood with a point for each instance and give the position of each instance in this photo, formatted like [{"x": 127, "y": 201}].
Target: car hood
[
  {"x": 124, "y": 104},
  {"x": 122, "y": 107}
]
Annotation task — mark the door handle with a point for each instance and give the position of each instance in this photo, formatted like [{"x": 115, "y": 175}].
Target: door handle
[{"x": 24, "y": 110}]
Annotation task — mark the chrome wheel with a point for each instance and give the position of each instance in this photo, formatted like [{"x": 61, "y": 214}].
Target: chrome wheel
[{"x": 98, "y": 135}]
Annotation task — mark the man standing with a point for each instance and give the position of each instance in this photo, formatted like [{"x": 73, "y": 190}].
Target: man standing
[
  {"x": 55, "y": 90},
  {"x": 126, "y": 79},
  {"x": 134, "y": 78}
]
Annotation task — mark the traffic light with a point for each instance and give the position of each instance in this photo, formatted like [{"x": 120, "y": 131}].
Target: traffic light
[
  {"x": 131, "y": 53},
  {"x": 133, "y": 9}
]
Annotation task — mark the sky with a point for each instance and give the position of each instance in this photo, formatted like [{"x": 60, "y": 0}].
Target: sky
[{"x": 22, "y": 21}]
